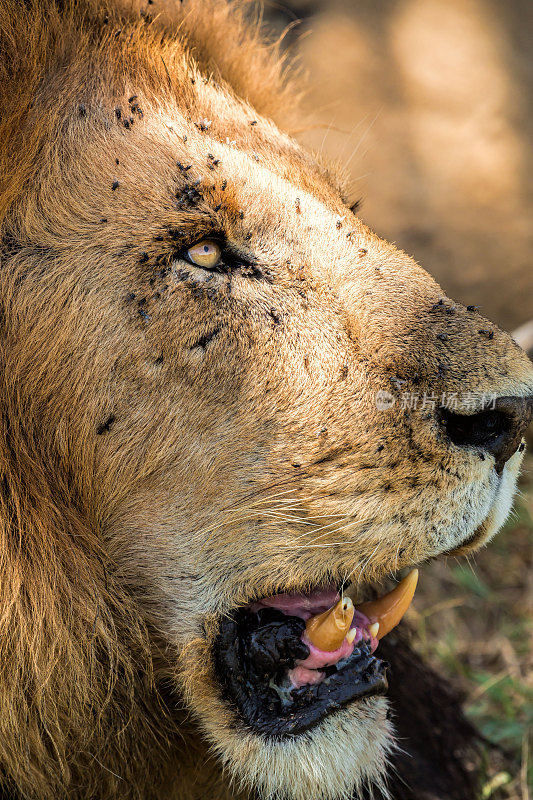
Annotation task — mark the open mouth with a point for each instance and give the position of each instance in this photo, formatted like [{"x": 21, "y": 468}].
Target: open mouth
[{"x": 288, "y": 660}]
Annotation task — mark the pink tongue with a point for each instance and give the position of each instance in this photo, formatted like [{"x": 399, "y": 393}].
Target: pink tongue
[
  {"x": 300, "y": 605},
  {"x": 308, "y": 670}
]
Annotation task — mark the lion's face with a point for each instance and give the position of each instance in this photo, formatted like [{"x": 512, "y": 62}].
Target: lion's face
[{"x": 267, "y": 422}]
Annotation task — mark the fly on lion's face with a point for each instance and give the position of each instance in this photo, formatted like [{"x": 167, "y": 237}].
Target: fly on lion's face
[{"x": 257, "y": 406}]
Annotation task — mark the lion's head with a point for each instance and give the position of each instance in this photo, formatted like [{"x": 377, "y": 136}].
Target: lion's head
[{"x": 218, "y": 386}]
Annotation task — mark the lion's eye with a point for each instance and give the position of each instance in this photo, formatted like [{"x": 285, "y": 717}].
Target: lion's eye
[{"x": 205, "y": 254}]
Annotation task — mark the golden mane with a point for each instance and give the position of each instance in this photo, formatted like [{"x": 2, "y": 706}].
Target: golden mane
[
  {"x": 91, "y": 49},
  {"x": 78, "y": 705},
  {"x": 76, "y": 677}
]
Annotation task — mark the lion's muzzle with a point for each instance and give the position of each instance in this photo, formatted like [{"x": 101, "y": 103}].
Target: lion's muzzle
[{"x": 289, "y": 660}]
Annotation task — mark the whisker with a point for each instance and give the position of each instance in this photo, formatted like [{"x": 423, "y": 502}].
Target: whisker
[
  {"x": 262, "y": 489},
  {"x": 364, "y": 565},
  {"x": 334, "y": 531},
  {"x": 322, "y": 544}
]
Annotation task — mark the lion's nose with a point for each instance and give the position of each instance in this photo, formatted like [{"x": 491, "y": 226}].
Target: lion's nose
[{"x": 497, "y": 430}]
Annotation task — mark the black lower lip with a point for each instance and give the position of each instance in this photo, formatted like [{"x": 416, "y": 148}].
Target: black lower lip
[{"x": 259, "y": 706}]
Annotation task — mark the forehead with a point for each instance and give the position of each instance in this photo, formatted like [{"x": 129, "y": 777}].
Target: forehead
[
  {"x": 212, "y": 118},
  {"x": 100, "y": 89},
  {"x": 142, "y": 163}
]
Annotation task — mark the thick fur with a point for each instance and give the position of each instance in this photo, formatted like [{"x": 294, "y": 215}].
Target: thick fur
[{"x": 173, "y": 444}]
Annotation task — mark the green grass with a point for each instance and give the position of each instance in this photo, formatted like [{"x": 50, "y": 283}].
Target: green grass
[{"x": 473, "y": 623}]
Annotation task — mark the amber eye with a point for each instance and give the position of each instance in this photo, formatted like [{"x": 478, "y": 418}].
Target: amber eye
[{"x": 205, "y": 254}]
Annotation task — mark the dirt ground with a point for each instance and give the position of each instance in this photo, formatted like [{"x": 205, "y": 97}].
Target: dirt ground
[{"x": 427, "y": 106}]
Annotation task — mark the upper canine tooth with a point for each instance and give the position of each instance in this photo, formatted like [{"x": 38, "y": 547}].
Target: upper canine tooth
[
  {"x": 328, "y": 630},
  {"x": 389, "y": 609}
]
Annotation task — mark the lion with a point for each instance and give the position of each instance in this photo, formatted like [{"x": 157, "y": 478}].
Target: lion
[{"x": 207, "y": 428}]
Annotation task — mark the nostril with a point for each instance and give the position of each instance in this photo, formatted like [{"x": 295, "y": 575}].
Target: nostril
[
  {"x": 498, "y": 430},
  {"x": 476, "y": 430}
]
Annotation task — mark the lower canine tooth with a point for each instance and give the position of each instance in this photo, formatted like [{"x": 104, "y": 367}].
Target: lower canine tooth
[{"x": 350, "y": 636}]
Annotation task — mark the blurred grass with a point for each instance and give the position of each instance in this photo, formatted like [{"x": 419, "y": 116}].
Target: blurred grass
[{"x": 473, "y": 620}]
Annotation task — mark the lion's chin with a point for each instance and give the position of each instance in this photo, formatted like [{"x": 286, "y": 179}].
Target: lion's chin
[
  {"x": 337, "y": 757},
  {"x": 322, "y": 744}
]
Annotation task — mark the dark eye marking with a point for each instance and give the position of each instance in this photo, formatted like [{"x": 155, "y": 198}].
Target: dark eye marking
[{"x": 232, "y": 259}]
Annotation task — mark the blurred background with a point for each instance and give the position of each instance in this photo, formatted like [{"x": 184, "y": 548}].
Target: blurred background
[{"x": 428, "y": 106}]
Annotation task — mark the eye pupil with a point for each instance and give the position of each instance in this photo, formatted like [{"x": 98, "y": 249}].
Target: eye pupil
[{"x": 204, "y": 254}]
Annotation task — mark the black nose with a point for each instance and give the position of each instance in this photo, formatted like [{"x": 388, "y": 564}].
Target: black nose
[{"x": 497, "y": 430}]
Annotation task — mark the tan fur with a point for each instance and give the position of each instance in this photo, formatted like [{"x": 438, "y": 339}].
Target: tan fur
[{"x": 150, "y": 483}]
